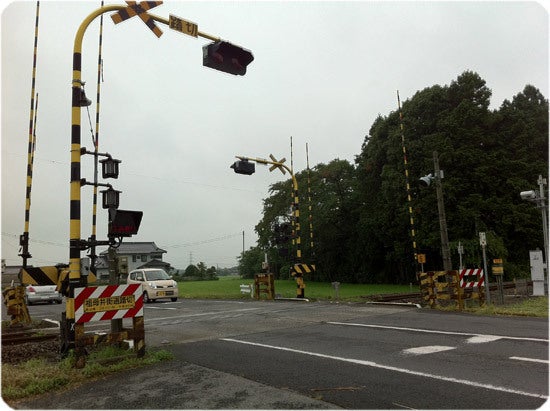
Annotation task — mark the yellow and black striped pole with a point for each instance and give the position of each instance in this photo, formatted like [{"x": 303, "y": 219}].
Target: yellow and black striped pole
[
  {"x": 75, "y": 243},
  {"x": 310, "y": 217},
  {"x": 407, "y": 184},
  {"x": 24, "y": 239},
  {"x": 296, "y": 212},
  {"x": 292, "y": 195},
  {"x": 300, "y": 285},
  {"x": 298, "y": 268},
  {"x": 96, "y": 148}
]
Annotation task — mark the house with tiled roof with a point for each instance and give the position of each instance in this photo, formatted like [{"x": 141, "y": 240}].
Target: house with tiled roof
[{"x": 136, "y": 255}]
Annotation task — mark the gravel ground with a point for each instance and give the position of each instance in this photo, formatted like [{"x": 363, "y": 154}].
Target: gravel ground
[{"x": 14, "y": 354}]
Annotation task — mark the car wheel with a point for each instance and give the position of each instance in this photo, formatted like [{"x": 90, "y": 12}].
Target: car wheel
[
  {"x": 174, "y": 299},
  {"x": 146, "y": 299}
]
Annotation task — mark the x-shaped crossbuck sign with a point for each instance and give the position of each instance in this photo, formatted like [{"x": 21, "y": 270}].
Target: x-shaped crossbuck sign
[
  {"x": 140, "y": 10},
  {"x": 279, "y": 165}
]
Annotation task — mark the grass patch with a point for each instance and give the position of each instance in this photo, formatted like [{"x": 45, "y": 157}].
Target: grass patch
[
  {"x": 530, "y": 307},
  {"x": 38, "y": 376},
  {"x": 229, "y": 288}
]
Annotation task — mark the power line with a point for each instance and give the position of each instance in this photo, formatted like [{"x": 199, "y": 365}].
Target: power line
[
  {"x": 210, "y": 240},
  {"x": 170, "y": 180},
  {"x": 35, "y": 240},
  {"x": 207, "y": 241}
]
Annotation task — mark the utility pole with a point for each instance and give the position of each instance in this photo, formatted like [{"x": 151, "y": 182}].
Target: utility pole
[
  {"x": 445, "y": 251},
  {"x": 541, "y": 204}
]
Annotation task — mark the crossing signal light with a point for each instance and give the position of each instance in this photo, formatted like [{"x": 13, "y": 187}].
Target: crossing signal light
[
  {"x": 226, "y": 57},
  {"x": 124, "y": 223},
  {"x": 243, "y": 167}
]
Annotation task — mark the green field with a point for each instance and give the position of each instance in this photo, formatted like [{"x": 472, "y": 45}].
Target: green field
[{"x": 229, "y": 288}]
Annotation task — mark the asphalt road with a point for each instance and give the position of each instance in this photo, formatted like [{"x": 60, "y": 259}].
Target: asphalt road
[{"x": 286, "y": 354}]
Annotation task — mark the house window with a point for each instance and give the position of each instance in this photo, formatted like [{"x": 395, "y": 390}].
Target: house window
[
  {"x": 144, "y": 258},
  {"x": 134, "y": 258}
]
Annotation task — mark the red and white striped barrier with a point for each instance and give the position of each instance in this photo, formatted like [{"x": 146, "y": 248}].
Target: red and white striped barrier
[
  {"x": 472, "y": 277},
  {"x": 108, "y": 302}
]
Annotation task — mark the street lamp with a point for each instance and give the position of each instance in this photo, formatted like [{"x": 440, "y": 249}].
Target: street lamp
[
  {"x": 426, "y": 180},
  {"x": 111, "y": 198},
  {"x": 109, "y": 167}
]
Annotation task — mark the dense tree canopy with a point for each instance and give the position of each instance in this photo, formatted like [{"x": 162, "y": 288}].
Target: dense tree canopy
[{"x": 361, "y": 213}]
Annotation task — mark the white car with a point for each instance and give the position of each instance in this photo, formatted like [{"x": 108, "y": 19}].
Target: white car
[
  {"x": 42, "y": 294},
  {"x": 156, "y": 284}
]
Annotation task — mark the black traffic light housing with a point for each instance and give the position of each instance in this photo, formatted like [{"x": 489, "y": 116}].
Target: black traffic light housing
[
  {"x": 226, "y": 57},
  {"x": 243, "y": 167},
  {"x": 124, "y": 223}
]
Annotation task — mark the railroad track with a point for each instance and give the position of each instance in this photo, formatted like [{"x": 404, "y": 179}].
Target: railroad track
[
  {"x": 417, "y": 296},
  {"x": 392, "y": 297},
  {"x": 13, "y": 338}
]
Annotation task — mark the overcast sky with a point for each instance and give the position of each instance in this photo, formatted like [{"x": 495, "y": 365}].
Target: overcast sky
[{"x": 322, "y": 72}]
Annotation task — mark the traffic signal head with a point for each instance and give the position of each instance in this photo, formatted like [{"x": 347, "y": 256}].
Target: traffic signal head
[
  {"x": 226, "y": 57},
  {"x": 124, "y": 223},
  {"x": 243, "y": 167}
]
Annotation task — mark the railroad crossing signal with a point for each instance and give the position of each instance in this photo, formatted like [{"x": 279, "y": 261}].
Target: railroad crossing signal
[
  {"x": 140, "y": 10},
  {"x": 243, "y": 167},
  {"x": 124, "y": 223},
  {"x": 226, "y": 57}
]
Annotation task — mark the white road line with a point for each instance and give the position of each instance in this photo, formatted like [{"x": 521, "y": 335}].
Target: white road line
[
  {"x": 479, "y": 337},
  {"x": 160, "y": 308},
  {"x": 402, "y": 406},
  {"x": 372, "y": 364},
  {"x": 529, "y": 359},
  {"x": 427, "y": 349},
  {"x": 176, "y": 317}
]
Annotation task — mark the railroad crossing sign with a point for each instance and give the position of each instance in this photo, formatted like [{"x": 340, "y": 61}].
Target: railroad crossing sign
[
  {"x": 274, "y": 166},
  {"x": 183, "y": 26},
  {"x": 140, "y": 10}
]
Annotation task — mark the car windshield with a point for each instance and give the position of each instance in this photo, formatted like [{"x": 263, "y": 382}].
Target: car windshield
[{"x": 156, "y": 275}]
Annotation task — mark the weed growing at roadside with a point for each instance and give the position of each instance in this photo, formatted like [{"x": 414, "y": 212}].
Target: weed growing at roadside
[{"x": 38, "y": 376}]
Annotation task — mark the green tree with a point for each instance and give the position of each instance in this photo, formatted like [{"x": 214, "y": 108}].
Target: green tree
[
  {"x": 211, "y": 273},
  {"x": 250, "y": 262},
  {"x": 485, "y": 166},
  {"x": 361, "y": 213}
]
